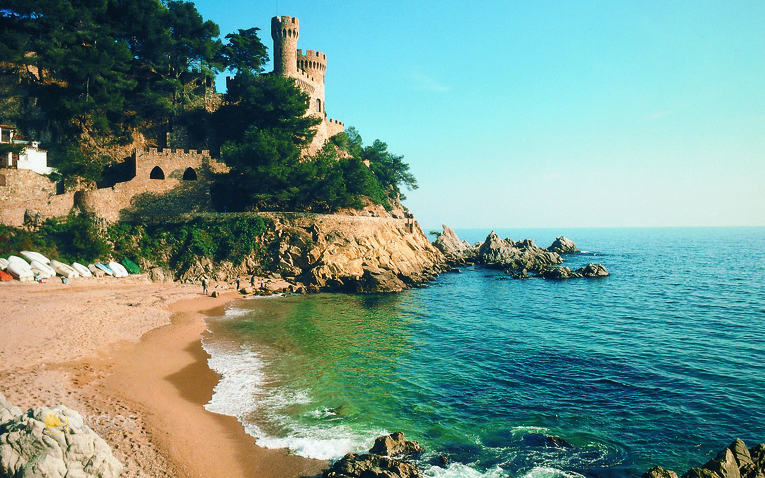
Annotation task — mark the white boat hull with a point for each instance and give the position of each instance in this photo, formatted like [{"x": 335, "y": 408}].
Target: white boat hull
[
  {"x": 35, "y": 256},
  {"x": 119, "y": 270},
  {"x": 64, "y": 270},
  {"x": 82, "y": 270}
]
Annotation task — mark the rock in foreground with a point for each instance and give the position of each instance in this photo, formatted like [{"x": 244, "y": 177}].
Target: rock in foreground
[
  {"x": 496, "y": 253},
  {"x": 735, "y": 461},
  {"x": 375, "y": 465},
  {"x": 562, "y": 245},
  {"x": 52, "y": 442}
]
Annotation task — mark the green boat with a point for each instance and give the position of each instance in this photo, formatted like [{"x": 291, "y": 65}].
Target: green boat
[{"x": 131, "y": 266}]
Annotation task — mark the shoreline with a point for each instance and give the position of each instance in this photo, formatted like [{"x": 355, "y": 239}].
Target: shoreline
[{"x": 144, "y": 391}]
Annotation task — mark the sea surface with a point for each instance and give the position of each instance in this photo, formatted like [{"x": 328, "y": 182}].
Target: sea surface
[{"x": 662, "y": 363}]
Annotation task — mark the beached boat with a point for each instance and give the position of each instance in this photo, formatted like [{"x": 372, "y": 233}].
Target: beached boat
[
  {"x": 97, "y": 272},
  {"x": 18, "y": 261},
  {"x": 82, "y": 270},
  {"x": 19, "y": 269},
  {"x": 119, "y": 271},
  {"x": 131, "y": 266},
  {"x": 64, "y": 270},
  {"x": 20, "y": 272},
  {"x": 35, "y": 256},
  {"x": 106, "y": 269},
  {"x": 44, "y": 270},
  {"x": 3, "y": 263},
  {"x": 5, "y": 277}
]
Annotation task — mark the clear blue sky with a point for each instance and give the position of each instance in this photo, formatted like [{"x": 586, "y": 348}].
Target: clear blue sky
[{"x": 549, "y": 113}]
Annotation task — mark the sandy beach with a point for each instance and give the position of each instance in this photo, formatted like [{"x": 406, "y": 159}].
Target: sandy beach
[{"x": 127, "y": 355}]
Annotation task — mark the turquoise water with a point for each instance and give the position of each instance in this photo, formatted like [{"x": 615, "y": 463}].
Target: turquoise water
[{"x": 663, "y": 362}]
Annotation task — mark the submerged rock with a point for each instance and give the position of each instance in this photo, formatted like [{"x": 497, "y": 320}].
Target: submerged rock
[
  {"x": 563, "y": 273},
  {"x": 52, "y": 442}
]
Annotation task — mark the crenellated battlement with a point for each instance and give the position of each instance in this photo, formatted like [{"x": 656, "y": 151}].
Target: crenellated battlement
[
  {"x": 172, "y": 152},
  {"x": 285, "y": 27},
  {"x": 313, "y": 63},
  {"x": 336, "y": 122}
]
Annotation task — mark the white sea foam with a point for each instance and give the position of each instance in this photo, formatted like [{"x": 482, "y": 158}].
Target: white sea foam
[
  {"x": 243, "y": 391},
  {"x": 458, "y": 470},
  {"x": 549, "y": 472},
  {"x": 242, "y": 379}
]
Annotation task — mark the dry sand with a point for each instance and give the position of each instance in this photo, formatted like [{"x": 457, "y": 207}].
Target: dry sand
[{"x": 127, "y": 355}]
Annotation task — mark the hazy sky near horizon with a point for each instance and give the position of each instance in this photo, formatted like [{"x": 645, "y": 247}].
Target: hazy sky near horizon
[{"x": 548, "y": 113}]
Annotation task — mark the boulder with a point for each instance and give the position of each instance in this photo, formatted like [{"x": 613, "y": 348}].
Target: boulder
[
  {"x": 52, "y": 442},
  {"x": 380, "y": 281},
  {"x": 395, "y": 445},
  {"x": 160, "y": 274},
  {"x": 371, "y": 466},
  {"x": 659, "y": 472},
  {"x": 724, "y": 464},
  {"x": 7, "y": 410},
  {"x": 593, "y": 270},
  {"x": 562, "y": 245}
]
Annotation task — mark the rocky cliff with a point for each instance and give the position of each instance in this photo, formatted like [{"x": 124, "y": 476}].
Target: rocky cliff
[{"x": 337, "y": 253}]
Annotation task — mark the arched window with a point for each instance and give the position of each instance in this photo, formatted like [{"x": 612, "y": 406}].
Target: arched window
[
  {"x": 157, "y": 173},
  {"x": 2, "y": 180},
  {"x": 189, "y": 175},
  {"x": 318, "y": 104}
]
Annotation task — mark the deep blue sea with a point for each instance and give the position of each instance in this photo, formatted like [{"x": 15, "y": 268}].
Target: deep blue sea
[{"x": 662, "y": 363}]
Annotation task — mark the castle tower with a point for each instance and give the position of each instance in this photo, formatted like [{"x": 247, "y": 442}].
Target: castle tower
[
  {"x": 285, "y": 32},
  {"x": 308, "y": 72}
]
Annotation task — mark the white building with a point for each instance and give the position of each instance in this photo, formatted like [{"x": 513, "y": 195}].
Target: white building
[{"x": 31, "y": 157}]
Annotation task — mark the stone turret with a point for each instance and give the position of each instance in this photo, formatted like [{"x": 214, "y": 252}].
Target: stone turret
[
  {"x": 285, "y": 32},
  {"x": 308, "y": 72}
]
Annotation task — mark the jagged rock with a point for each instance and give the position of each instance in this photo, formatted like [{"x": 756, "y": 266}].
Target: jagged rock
[
  {"x": 50, "y": 442},
  {"x": 371, "y": 466},
  {"x": 455, "y": 250},
  {"x": 395, "y": 445},
  {"x": 659, "y": 472},
  {"x": 724, "y": 464},
  {"x": 700, "y": 473},
  {"x": 381, "y": 281},
  {"x": 562, "y": 245},
  {"x": 7, "y": 410},
  {"x": 735, "y": 461},
  {"x": 513, "y": 256},
  {"x": 215, "y": 293},
  {"x": 33, "y": 219}
]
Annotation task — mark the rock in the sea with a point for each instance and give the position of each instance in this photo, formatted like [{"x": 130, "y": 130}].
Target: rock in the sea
[
  {"x": 380, "y": 281},
  {"x": 371, "y": 466},
  {"x": 455, "y": 250},
  {"x": 50, "y": 442},
  {"x": 563, "y": 273},
  {"x": 395, "y": 445},
  {"x": 659, "y": 472},
  {"x": 513, "y": 256},
  {"x": 562, "y": 245},
  {"x": 735, "y": 461}
]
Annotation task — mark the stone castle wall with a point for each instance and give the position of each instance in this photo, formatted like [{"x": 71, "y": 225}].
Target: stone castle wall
[
  {"x": 23, "y": 189},
  {"x": 166, "y": 182}
]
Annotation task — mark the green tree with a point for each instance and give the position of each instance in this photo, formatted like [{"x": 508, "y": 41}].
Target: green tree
[{"x": 244, "y": 52}]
